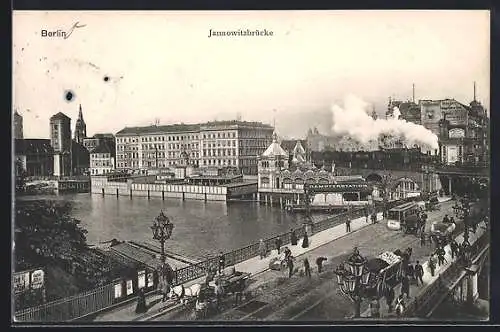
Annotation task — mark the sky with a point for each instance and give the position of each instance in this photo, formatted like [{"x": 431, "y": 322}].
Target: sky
[{"x": 131, "y": 68}]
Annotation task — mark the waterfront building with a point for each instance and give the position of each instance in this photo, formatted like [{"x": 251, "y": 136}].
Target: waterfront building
[
  {"x": 18, "y": 125},
  {"x": 91, "y": 143},
  {"x": 35, "y": 156},
  {"x": 60, "y": 140},
  {"x": 285, "y": 183},
  {"x": 102, "y": 159},
  {"x": 234, "y": 143},
  {"x": 212, "y": 144},
  {"x": 80, "y": 127}
]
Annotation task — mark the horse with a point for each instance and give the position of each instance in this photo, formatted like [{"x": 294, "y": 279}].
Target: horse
[{"x": 183, "y": 294}]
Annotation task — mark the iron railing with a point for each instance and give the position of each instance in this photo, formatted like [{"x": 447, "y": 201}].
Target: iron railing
[
  {"x": 103, "y": 297},
  {"x": 428, "y": 297}
]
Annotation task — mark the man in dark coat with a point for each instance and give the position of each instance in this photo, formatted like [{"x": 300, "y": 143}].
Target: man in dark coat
[
  {"x": 446, "y": 219},
  {"x": 405, "y": 286},
  {"x": 419, "y": 273},
  {"x": 389, "y": 298},
  {"x": 287, "y": 252},
  {"x": 289, "y": 263},
  {"x": 278, "y": 244},
  {"x": 319, "y": 263},
  {"x": 222, "y": 262},
  {"x": 348, "y": 225},
  {"x": 374, "y": 218},
  {"x": 293, "y": 238},
  {"x": 307, "y": 267}
]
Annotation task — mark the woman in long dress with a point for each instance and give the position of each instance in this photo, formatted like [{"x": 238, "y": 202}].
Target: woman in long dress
[{"x": 305, "y": 241}]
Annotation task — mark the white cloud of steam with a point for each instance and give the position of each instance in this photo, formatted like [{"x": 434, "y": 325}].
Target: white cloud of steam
[
  {"x": 396, "y": 113},
  {"x": 353, "y": 120}
]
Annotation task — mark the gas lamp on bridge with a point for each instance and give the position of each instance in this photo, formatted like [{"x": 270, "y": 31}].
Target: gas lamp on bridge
[
  {"x": 353, "y": 278},
  {"x": 162, "y": 230}
]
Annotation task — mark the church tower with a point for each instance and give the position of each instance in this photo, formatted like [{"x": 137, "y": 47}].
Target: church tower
[{"x": 80, "y": 128}]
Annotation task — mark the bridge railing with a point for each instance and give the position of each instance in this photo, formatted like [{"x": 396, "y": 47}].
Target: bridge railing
[
  {"x": 423, "y": 301},
  {"x": 104, "y": 297}
]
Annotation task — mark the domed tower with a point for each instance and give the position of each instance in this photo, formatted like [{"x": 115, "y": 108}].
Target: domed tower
[
  {"x": 271, "y": 162},
  {"x": 80, "y": 128}
]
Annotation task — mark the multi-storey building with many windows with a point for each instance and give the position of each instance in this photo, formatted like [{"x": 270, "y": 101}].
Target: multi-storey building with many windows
[{"x": 212, "y": 144}]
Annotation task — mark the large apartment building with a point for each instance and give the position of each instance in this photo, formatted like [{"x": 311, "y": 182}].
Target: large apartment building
[{"x": 211, "y": 144}]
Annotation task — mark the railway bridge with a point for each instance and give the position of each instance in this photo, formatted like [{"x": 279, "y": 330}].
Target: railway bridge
[{"x": 427, "y": 178}]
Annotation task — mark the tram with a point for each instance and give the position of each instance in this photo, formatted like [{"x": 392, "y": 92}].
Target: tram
[{"x": 403, "y": 216}]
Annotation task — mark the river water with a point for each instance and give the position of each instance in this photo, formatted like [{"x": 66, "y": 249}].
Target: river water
[{"x": 201, "y": 228}]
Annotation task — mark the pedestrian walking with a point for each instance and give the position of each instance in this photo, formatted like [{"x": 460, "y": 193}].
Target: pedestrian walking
[
  {"x": 288, "y": 253},
  {"x": 374, "y": 308},
  {"x": 305, "y": 241},
  {"x": 307, "y": 267},
  {"x": 422, "y": 238},
  {"x": 441, "y": 254},
  {"x": 367, "y": 214},
  {"x": 319, "y": 263},
  {"x": 410, "y": 272},
  {"x": 389, "y": 298},
  {"x": 141, "y": 302},
  {"x": 453, "y": 249},
  {"x": 218, "y": 294},
  {"x": 262, "y": 249},
  {"x": 293, "y": 238},
  {"x": 289, "y": 263},
  {"x": 419, "y": 273},
  {"x": 405, "y": 286},
  {"x": 348, "y": 225},
  {"x": 278, "y": 244},
  {"x": 222, "y": 262},
  {"x": 432, "y": 264},
  {"x": 374, "y": 218}
]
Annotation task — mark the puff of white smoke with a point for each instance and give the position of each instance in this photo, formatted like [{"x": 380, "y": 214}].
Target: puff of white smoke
[{"x": 354, "y": 121}]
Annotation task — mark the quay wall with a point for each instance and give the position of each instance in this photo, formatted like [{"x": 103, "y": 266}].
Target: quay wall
[{"x": 101, "y": 185}]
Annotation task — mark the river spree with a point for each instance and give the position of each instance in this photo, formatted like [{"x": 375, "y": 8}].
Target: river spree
[{"x": 201, "y": 228}]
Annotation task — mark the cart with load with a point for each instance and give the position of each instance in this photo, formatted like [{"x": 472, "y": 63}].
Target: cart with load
[
  {"x": 440, "y": 231},
  {"x": 385, "y": 271}
]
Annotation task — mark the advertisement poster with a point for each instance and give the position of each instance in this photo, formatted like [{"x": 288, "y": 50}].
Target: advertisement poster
[{"x": 141, "y": 277}]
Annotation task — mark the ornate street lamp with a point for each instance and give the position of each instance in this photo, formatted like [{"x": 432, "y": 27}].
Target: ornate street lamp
[
  {"x": 353, "y": 278},
  {"x": 162, "y": 230}
]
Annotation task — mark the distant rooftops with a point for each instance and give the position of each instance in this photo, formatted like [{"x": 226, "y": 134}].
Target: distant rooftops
[
  {"x": 32, "y": 146},
  {"x": 173, "y": 128},
  {"x": 104, "y": 148}
]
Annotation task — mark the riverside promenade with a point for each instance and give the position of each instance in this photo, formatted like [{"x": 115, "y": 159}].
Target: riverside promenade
[{"x": 254, "y": 265}]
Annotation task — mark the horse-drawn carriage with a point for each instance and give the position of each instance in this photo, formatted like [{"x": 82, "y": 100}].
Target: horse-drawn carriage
[
  {"x": 441, "y": 231},
  {"x": 205, "y": 296},
  {"x": 229, "y": 282},
  {"x": 432, "y": 203}
]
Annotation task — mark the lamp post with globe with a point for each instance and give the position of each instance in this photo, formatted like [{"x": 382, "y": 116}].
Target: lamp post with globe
[
  {"x": 162, "y": 230},
  {"x": 353, "y": 278}
]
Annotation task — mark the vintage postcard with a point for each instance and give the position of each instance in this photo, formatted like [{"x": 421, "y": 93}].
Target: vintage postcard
[{"x": 223, "y": 166}]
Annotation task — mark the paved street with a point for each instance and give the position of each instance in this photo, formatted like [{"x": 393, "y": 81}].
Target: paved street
[{"x": 275, "y": 297}]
